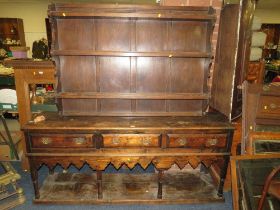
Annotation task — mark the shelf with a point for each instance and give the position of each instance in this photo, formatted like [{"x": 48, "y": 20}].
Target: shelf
[
  {"x": 14, "y": 24},
  {"x": 270, "y": 49},
  {"x": 127, "y": 7},
  {"x": 155, "y": 96},
  {"x": 128, "y": 188},
  {"x": 135, "y": 11},
  {"x": 169, "y": 54},
  {"x": 135, "y": 114},
  {"x": 150, "y": 42},
  {"x": 135, "y": 15},
  {"x": 12, "y": 45},
  {"x": 7, "y": 34}
]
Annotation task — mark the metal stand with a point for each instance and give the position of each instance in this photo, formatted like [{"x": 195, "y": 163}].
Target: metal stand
[
  {"x": 8, "y": 141},
  {"x": 10, "y": 198},
  {"x": 11, "y": 194}
]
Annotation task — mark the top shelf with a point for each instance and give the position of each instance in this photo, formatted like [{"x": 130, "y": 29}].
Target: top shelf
[
  {"x": 135, "y": 15},
  {"x": 170, "y": 54},
  {"x": 132, "y": 11}
]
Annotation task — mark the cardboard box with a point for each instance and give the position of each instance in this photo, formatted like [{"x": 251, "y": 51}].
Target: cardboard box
[{"x": 19, "y": 52}]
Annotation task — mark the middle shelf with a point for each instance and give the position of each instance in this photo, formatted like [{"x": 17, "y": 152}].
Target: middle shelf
[
  {"x": 112, "y": 95},
  {"x": 170, "y": 54}
]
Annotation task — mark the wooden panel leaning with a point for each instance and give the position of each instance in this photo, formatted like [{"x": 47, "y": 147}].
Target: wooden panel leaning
[
  {"x": 232, "y": 57},
  {"x": 226, "y": 75}
]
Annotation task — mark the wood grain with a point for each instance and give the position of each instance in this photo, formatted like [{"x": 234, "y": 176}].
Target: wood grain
[
  {"x": 126, "y": 189},
  {"x": 135, "y": 80},
  {"x": 111, "y": 95},
  {"x": 26, "y": 73},
  {"x": 132, "y": 66},
  {"x": 169, "y": 54}
]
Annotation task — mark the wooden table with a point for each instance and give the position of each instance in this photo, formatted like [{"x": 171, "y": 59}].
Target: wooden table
[
  {"x": 100, "y": 141},
  {"x": 29, "y": 72}
]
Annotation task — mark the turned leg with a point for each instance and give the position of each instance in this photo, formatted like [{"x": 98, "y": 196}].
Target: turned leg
[
  {"x": 34, "y": 177},
  {"x": 51, "y": 171},
  {"x": 223, "y": 176},
  {"x": 160, "y": 180},
  {"x": 223, "y": 172},
  {"x": 99, "y": 184}
]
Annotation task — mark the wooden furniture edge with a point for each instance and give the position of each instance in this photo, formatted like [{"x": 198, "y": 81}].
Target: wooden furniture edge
[
  {"x": 233, "y": 159},
  {"x": 23, "y": 98},
  {"x": 259, "y": 135}
]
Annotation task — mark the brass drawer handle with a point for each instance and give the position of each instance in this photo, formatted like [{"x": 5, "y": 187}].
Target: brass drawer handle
[
  {"x": 116, "y": 140},
  {"x": 46, "y": 140},
  {"x": 212, "y": 142},
  {"x": 38, "y": 73},
  {"x": 79, "y": 140},
  {"x": 182, "y": 141},
  {"x": 273, "y": 106},
  {"x": 146, "y": 141},
  {"x": 266, "y": 88}
]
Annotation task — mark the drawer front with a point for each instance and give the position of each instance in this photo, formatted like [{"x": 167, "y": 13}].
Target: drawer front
[
  {"x": 131, "y": 140},
  {"x": 62, "y": 141},
  {"x": 266, "y": 146},
  {"x": 197, "y": 141},
  {"x": 269, "y": 105},
  {"x": 39, "y": 74}
]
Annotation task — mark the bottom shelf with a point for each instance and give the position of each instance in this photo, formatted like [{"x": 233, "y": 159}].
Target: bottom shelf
[{"x": 182, "y": 187}]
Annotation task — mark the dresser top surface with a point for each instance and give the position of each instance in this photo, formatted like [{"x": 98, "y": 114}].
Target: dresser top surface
[
  {"x": 128, "y": 8},
  {"x": 56, "y": 122}
]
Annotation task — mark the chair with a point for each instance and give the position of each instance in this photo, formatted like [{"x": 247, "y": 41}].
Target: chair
[{"x": 271, "y": 187}]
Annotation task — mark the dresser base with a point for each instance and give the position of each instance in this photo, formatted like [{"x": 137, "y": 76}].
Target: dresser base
[{"x": 81, "y": 188}]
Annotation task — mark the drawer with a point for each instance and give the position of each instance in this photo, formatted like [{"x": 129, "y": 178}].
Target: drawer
[
  {"x": 269, "y": 105},
  {"x": 62, "y": 141},
  {"x": 39, "y": 74},
  {"x": 131, "y": 140},
  {"x": 197, "y": 140}
]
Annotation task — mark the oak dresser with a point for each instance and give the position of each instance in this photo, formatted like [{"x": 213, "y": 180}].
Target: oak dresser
[{"x": 131, "y": 91}]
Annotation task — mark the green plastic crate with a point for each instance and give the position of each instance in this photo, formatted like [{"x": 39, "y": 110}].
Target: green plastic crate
[
  {"x": 8, "y": 107},
  {"x": 7, "y": 80}
]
